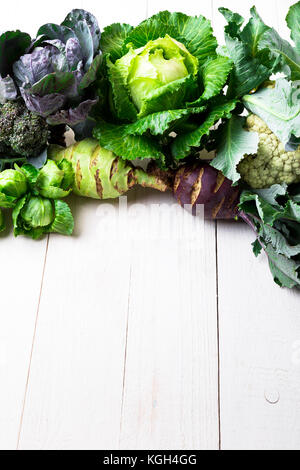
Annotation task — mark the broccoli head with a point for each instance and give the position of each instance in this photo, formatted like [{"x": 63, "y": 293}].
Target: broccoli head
[
  {"x": 272, "y": 164},
  {"x": 22, "y": 133}
]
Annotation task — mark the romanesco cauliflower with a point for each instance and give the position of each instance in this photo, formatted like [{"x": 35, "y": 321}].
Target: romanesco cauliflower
[{"x": 272, "y": 164}]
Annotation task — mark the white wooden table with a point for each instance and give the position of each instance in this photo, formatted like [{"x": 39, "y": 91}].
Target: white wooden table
[{"x": 163, "y": 332}]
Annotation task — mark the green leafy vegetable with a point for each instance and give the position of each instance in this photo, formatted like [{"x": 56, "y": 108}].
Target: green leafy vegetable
[
  {"x": 2, "y": 221},
  {"x": 194, "y": 32},
  {"x": 34, "y": 216},
  {"x": 113, "y": 38},
  {"x": 162, "y": 77},
  {"x": 253, "y": 63},
  {"x": 13, "y": 185},
  {"x": 279, "y": 108},
  {"x": 272, "y": 214},
  {"x": 34, "y": 196},
  {"x": 13, "y": 44},
  {"x": 293, "y": 22},
  {"x": 234, "y": 143},
  {"x": 55, "y": 180},
  {"x": 184, "y": 143}
]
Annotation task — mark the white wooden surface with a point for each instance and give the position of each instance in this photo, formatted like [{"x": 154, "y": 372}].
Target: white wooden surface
[{"x": 116, "y": 338}]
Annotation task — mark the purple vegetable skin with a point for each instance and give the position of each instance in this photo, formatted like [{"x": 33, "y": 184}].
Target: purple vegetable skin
[{"x": 201, "y": 184}]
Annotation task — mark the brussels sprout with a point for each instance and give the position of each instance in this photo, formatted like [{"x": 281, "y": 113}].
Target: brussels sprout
[
  {"x": 38, "y": 212},
  {"x": 2, "y": 221},
  {"x": 55, "y": 180},
  {"x": 151, "y": 72},
  {"x": 13, "y": 185},
  {"x": 36, "y": 215}
]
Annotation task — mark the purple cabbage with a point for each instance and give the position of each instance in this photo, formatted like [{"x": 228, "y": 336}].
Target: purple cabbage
[{"x": 56, "y": 75}]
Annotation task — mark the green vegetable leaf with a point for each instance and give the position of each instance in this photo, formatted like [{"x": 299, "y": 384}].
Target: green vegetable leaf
[
  {"x": 92, "y": 73},
  {"x": 234, "y": 143},
  {"x": 214, "y": 75},
  {"x": 158, "y": 123},
  {"x": 293, "y": 22},
  {"x": 77, "y": 16},
  {"x": 273, "y": 193},
  {"x": 2, "y": 221},
  {"x": 170, "y": 96},
  {"x": 279, "y": 108},
  {"x": 112, "y": 40},
  {"x": 49, "y": 181},
  {"x": 234, "y": 20},
  {"x": 54, "y": 31},
  {"x": 34, "y": 216},
  {"x": 6, "y": 201},
  {"x": 63, "y": 222},
  {"x": 253, "y": 60},
  {"x": 13, "y": 185},
  {"x": 123, "y": 106},
  {"x": 253, "y": 32},
  {"x": 13, "y": 44},
  {"x": 284, "y": 270},
  {"x": 57, "y": 82},
  {"x": 31, "y": 173},
  {"x": 84, "y": 35},
  {"x": 194, "y": 32},
  {"x": 257, "y": 248},
  {"x": 285, "y": 56},
  {"x": 248, "y": 72},
  {"x": 183, "y": 143},
  {"x": 116, "y": 139},
  {"x": 268, "y": 212},
  {"x": 275, "y": 218},
  {"x": 68, "y": 178},
  {"x": 278, "y": 241},
  {"x": 31, "y": 216}
]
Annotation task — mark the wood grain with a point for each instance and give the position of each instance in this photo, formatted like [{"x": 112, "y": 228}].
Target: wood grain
[
  {"x": 171, "y": 390},
  {"x": 259, "y": 328},
  {"x": 122, "y": 350},
  {"x": 22, "y": 262}
]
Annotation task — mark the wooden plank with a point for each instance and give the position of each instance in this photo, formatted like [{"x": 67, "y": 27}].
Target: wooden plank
[
  {"x": 170, "y": 388},
  {"x": 259, "y": 347},
  {"x": 171, "y": 381},
  {"x": 22, "y": 263},
  {"x": 75, "y": 386},
  {"x": 259, "y": 332}
]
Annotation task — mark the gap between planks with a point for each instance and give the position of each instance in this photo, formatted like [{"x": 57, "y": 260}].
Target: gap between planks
[
  {"x": 127, "y": 328},
  {"x": 33, "y": 341},
  {"x": 125, "y": 356},
  {"x": 218, "y": 335}
]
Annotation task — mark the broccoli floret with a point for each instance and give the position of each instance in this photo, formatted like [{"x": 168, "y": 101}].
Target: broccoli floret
[
  {"x": 272, "y": 164},
  {"x": 22, "y": 133}
]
